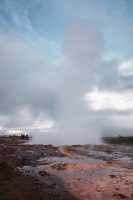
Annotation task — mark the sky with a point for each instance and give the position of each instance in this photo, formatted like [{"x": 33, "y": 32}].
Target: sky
[{"x": 67, "y": 65}]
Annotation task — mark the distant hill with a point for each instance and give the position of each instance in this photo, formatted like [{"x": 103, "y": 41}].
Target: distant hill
[{"x": 118, "y": 140}]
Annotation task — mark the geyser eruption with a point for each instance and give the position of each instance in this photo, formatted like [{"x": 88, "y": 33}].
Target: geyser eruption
[
  {"x": 76, "y": 123},
  {"x": 79, "y": 77}
]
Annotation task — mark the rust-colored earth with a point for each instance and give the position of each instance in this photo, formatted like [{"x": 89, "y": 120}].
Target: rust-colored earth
[{"x": 82, "y": 172}]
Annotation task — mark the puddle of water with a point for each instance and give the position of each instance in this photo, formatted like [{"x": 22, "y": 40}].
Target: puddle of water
[
  {"x": 124, "y": 154},
  {"x": 28, "y": 170},
  {"x": 65, "y": 160}
]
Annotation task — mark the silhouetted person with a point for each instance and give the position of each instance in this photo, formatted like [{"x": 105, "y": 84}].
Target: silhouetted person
[
  {"x": 26, "y": 137},
  {"x": 22, "y": 136}
]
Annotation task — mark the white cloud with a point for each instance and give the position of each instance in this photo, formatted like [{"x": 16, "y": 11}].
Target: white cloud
[
  {"x": 21, "y": 21},
  {"x": 126, "y": 68},
  {"x": 105, "y": 100}
]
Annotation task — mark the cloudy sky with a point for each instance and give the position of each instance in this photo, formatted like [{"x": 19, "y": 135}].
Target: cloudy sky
[{"x": 67, "y": 63}]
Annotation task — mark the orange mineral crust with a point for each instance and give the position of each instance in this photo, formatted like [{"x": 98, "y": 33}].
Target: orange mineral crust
[{"x": 89, "y": 178}]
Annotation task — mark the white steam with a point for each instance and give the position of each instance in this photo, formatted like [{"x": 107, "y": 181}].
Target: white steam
[{"x": 75, "y": 122}]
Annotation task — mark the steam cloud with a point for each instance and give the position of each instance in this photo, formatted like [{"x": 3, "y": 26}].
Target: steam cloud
[{"x": 81, "y": 45}]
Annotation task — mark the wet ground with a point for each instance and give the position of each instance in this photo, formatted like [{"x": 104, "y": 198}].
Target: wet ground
[{"x": 82, "y": 172}]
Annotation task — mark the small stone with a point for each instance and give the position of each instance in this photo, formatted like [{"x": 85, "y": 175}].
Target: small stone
[
  {"x": 43, "y": 173},
  {"x": 112, "y": 175},
  {"x": 122, "y": 196}
]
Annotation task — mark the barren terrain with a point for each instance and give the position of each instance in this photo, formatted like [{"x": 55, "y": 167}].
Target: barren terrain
[{"x": 82, "y": 172}]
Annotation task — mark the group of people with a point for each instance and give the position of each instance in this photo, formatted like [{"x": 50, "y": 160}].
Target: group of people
[{"x": 24, "y": 137}]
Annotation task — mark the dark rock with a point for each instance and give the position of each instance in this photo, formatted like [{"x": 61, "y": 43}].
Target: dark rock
[
  {"x": 112, "y": 175},
  {"x": 122, "y": 196},
  {"x": 43, "y": 173},
  {"x": 3, "y": 164}
]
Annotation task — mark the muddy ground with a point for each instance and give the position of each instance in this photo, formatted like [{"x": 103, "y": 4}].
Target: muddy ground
[{"x": 82, "y": 172}]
